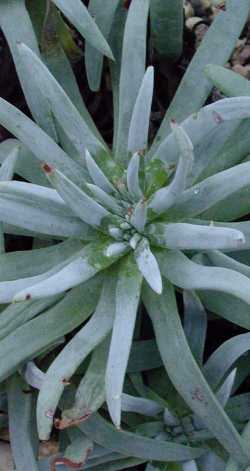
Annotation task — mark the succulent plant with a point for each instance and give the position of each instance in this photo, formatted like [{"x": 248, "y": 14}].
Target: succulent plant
[{"x": 123, "y": 229}]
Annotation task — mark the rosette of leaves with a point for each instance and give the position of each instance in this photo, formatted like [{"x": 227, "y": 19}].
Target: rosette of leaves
[{"x": 123, "y": 227}]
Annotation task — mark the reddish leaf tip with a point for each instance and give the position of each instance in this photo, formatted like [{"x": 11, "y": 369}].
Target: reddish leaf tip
[
  {"x": 47, "y": 168},
  {"x": 66, "y": 382}
]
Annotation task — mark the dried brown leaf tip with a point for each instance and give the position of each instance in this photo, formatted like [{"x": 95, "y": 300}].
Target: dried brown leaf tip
[
  {"x": 48, "y": 169},
  {"x": 66, "y": 422},
  {"x": 66, "y": 382},
  {"x": 59, "y": 461},
  {"x": 69, "y": 463}
]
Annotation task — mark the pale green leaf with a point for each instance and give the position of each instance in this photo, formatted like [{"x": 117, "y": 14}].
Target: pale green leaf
[
  {"x": 39, "y": 209},
  {"x": 104, "y": 18},
  {"x": 22, "y": 427},
  {"x": 186, "y": 274},
  {"x": 133, "y": 183},
  {"x": 204, "y": 196},
  {"x": 70, "y": 358},
  {"x": 185, "y": 373},
  {"x": 97, "y": 175},
  {"x": 131, "y": 444},
  {"x": 67, "y": 115},
  {"x": 78, "y": 15},
  {"x": 140, "y": 121},
  {"x": 127, "y": 299},
  {"x": 148, "y": 265},
  {"x": 19, "y": 347},
  {"x": 90, "y": 394},
  {"x": 132, "y": 71},
  {"x": 85, "y": 264},
  {"x": 82, "y": 205},
  {"x": 195, "y": 324},
  {"x": 38, "y": 142},
  {"x": 15, "y": 31},
  {"x": 183, "y": 236}
]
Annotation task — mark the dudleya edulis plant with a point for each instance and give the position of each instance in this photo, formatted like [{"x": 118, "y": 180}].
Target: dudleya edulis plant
[{"x": 133, "y": 223}]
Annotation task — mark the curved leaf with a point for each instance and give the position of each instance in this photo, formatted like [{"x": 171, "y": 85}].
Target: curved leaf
[
  {"x": 15, "y": 31},
  {"x": 186, "y": 375},
  {"x": 39, "y": 209},
  {"x": 219, "y": 259},
  {"x": 65, "y": 316},
  {"x": 165, "y": 197},
  {"x": 148, "y": 265},
  {"x": 97, "y": 175},
  {"x": 27, "y": 263},
  {"x": 86, "y": 264},
  {"x": 104, "y": 18},
  {"x": 78, "y": 15},
  {"x": 90, "y": 394},
  {"x": 107, "y": 201},
  {"x": 132, "y": 71},
  {"x": 27, "y": 166},
  {"x": 133, "y": 183},
  {"x": 204, "y": 196},
  {"x": 182, "y": 236},
  {"x": 228, "y": 82},
  {"x": 140, "y": 405},
  {"x": 222, "y": 360},
  {"x": 201, "y": 127},
  {"x": 70, "y": 358},
  {"x": 38, "y": 142},
  {"x": 23, "y": 434},
  {"x": 79, "y": 202},
  {"x": 15, "y": 315},
  {"x": 56, "y": 42},
  {"x": 182, "y": 272},
  {"x": 140, "y": 121},
  {"x": 131, "y": 444},
  {"x": 139, "y": 216},
  {"x": 126, "y": 301},
  {"x": 195, "y": 324},
  {"x": 67, "y": 115}
]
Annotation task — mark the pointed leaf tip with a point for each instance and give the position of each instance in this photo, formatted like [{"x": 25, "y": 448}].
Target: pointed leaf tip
[
  {"x": 148, "y": 266},
  {"x": 133, "y": 183},
  {"x": 97, "y": 174},
  {"x": 183, "y": 140}
]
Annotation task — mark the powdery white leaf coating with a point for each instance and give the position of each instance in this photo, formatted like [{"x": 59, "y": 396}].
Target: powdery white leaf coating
[
  {"x": 139, "y": 125},
  {"x": 139, "y": 216},
  {"x": 133, "y": 183},
  {"x": 148, "y": 266},
  {"x": 97, "y": 175},
  {"x": 184, "y": 236},
  {"x": 126, "y": 303}
]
